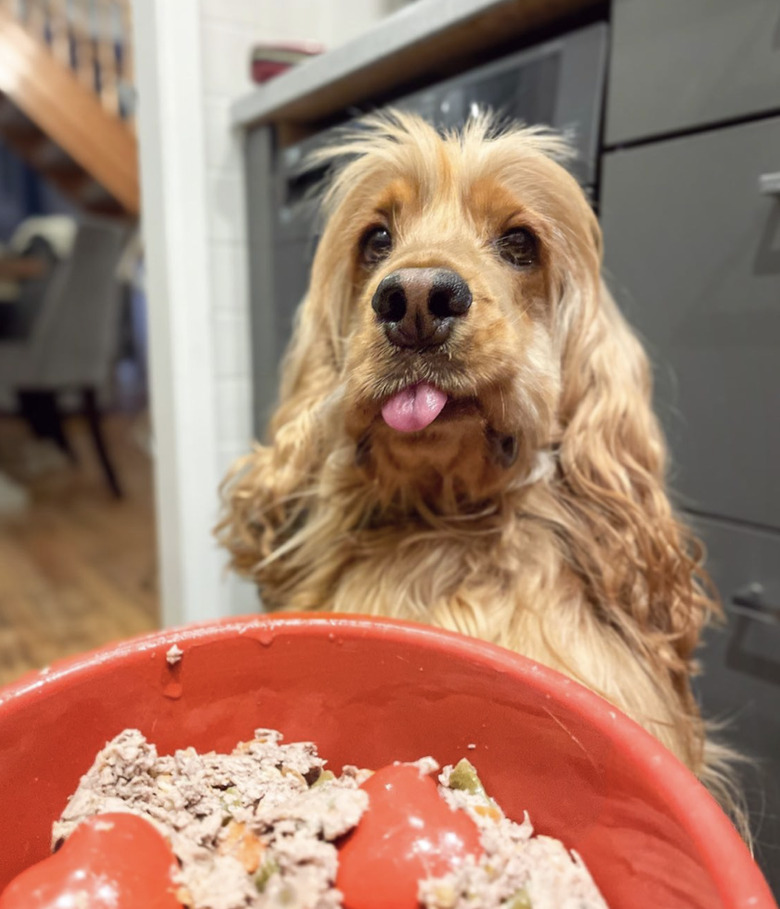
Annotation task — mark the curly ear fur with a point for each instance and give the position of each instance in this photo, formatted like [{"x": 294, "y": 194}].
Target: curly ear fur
[
  {"x": 642, "y": 566},
  {"x": 634, "y": 552},
  {"x": 265, "y": 492}
]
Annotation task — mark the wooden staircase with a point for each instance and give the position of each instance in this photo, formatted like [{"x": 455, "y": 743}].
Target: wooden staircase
[{"x": 66, "y": 98}]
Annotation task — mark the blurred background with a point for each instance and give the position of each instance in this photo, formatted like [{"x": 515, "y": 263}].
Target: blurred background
[
  {"x": 79, "y": 507},
  {"x": 156, "y": 229}
]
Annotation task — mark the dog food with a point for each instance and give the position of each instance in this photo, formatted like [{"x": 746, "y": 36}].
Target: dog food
[{"x": 266, "y": 825}]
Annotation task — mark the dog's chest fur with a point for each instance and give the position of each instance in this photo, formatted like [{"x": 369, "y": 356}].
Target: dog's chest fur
[{"x": 509, "y": 583}]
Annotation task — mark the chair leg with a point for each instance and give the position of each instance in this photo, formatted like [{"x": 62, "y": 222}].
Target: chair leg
[
  {"x": 42, "y": 413},
  {"x": 89, "y": 399}
]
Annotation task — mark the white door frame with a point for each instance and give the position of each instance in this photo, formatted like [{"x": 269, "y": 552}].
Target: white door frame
[{"x": 167, "y": 40}]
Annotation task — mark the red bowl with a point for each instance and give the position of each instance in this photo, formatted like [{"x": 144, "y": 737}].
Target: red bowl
[{"x": 368, "y": 692}]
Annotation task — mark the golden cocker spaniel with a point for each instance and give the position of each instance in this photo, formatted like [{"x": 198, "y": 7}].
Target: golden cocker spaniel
[{"x": 464, "y": 434}]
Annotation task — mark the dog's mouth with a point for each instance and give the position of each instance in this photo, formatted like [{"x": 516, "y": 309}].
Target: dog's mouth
[
  {"x": 420, "y": 404},
  {"x": 415, "y": 407}
]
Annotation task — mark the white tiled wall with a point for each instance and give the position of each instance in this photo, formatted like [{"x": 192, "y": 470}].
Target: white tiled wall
[
  {"x": 209, "y": 46},
  {"x": 229, "y": 28},
  {"x": 192, "y": 64}
]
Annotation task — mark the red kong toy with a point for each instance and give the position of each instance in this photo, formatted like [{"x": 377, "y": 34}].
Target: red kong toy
[
  {"x": 110, "y": 861},
  {"x": 408, "y": 833}
]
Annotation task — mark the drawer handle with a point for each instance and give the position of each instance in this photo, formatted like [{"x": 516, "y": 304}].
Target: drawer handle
[
  {"x": 769, "y": 184},
  {"x": 751, "y": 603}
]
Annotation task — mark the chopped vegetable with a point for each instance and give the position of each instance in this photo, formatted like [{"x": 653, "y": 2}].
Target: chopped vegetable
[
  {"x": 464, "y": 776},
  {"x": 243, "y": 845},
  {"x": 521, "y": 900},
  {"x": 268, "y": 868},
  {"x": 324, "y": 777}
]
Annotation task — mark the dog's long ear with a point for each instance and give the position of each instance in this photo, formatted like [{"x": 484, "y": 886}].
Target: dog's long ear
[
  {"x": 637, "y": 557},
  {"x": 264, "y": 495}
]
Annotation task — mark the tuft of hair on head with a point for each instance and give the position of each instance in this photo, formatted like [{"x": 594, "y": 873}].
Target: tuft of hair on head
[{"x": 384, "y": 136}]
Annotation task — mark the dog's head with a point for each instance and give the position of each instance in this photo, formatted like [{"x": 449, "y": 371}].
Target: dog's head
[{"x": 451, "y": 276}]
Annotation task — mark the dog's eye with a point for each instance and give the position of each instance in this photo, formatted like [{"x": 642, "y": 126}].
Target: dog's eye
[
  {"x": 376, "y": 245},
  {"x": 519, "y": 247}
]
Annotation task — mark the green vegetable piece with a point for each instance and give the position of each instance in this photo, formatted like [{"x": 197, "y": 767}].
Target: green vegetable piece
[
  {"x": 264, "y": 873},
  {"x": 229, "y": 800},
  {"x": 324, "y": 777},
  {"x": 521, "y": 900},
  {"x": 287, "y": 896},
  {"x": 464, "y": 776}
]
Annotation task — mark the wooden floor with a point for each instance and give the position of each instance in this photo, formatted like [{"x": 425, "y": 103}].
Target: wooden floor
[{"x": 77, "y": 568}]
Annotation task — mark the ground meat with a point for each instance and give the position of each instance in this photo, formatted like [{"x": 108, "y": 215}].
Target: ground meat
[
  {"x": 248, "y": 828},
  {"x": 518, "y": 869},
  {"x": 257, "y": 828}
]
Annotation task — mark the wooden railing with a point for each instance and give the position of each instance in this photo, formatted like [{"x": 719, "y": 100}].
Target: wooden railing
[{"x": 93, "y": 38}]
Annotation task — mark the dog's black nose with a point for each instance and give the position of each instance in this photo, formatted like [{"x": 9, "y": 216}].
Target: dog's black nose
[{"x": 419, "y": 305}]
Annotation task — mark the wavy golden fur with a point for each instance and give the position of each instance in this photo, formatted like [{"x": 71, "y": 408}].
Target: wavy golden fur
[{"x": 565, "y": 549}]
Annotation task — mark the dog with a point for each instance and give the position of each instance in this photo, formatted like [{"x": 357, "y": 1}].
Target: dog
[{"x": 465, "y": 436}]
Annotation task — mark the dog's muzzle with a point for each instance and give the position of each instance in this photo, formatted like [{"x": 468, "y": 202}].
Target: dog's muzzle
[{"x": 418, "y": 306}]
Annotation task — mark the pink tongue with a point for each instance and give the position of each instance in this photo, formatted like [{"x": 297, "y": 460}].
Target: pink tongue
[{"x": 414, "y": 408}]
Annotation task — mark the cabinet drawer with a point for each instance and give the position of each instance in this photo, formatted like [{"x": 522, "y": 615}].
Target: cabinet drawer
[
  {"x": 693, "y": 256},
  {"x": 677, "y": 64},
  {"x": 740, "y": 683}
]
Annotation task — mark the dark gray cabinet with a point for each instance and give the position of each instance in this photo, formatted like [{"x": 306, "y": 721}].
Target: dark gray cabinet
[
  {"x": 740, "y": 685},
  {"x": 693, "y": 250},
  {"x": 690, "y": 209},
  {"x": 682, "y": 64}
]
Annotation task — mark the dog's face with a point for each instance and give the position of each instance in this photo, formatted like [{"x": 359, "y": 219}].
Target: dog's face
[{"x": 454, "y": 256}]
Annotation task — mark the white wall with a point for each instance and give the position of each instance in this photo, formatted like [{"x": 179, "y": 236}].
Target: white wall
[
  {"x": 229, "y": 28},
  {"x": 192, "y": 63}
]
